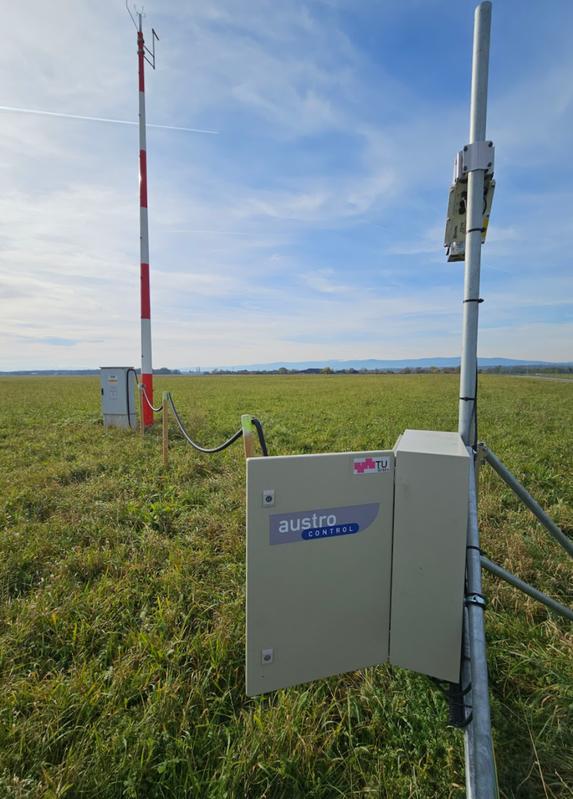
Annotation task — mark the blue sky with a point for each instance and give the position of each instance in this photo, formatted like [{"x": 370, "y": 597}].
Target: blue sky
[{"x": 311, "y": 225}]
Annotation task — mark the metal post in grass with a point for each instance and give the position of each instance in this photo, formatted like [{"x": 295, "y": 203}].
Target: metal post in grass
[
  {"x": 165, "y": 428},
  {"x": 141, "y": 417},
  {"x": 481, "y": 780}
]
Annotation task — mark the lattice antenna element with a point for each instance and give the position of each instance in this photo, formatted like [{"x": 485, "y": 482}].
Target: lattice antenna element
[{"x": 151, "y": 53}]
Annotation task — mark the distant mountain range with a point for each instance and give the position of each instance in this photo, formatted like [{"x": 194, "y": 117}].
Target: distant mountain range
[
  {"x": 375, "y": 363},
  {"x": 368, "y": 363}
]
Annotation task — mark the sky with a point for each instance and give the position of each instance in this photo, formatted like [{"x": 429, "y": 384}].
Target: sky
[{"x": 310, "y": 225}]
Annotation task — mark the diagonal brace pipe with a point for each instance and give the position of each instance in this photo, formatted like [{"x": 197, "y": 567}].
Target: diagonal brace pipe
[
  {"x": 535, "y": 593},
  {"x": 528, "y": 500},
  {"x": 481, "y": 763}
]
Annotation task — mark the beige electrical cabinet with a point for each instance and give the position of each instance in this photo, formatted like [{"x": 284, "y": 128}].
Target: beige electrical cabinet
[
  {"x": 319, "y": 549},
  {"x": 355, "y": 558},
  {"x": 428, "y": 563}
]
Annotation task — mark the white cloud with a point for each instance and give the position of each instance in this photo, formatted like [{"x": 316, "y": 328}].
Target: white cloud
[
  {"x": 237, "y": 269},
  {"x": 323, "y": 281}
]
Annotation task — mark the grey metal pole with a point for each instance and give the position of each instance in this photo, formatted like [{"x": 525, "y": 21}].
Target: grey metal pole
[
  {"x": 535, "y": 593},
  {"x": 481, "y": 779},
  {"x": 480, "y": 761},
  {"x": 468, "y": 736},
  {"x": 527, "y": 499},
  {"x": 474, "y": 222}
]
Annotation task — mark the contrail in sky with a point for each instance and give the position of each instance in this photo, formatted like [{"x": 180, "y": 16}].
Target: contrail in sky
[{"x": 100, "y": 119}]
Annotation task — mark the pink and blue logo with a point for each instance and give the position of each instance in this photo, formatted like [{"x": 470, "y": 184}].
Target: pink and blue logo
[{"x": 371, "y": 465}]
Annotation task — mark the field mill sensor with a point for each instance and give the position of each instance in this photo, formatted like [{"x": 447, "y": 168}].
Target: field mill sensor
[{"x": 355, "y": 559}]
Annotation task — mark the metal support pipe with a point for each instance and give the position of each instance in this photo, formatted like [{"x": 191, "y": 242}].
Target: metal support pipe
[
  {"x": 528, "y": 500},
  {"x": 466, "y": 671},
  {"x": 481, "y": 780},
  {"x": 510, "y": 578},
  {"x": 474, "y": 222},
  {"x": 480, "y": 761}
]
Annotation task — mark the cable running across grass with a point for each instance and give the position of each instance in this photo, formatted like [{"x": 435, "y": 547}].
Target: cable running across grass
[{"x": 210, "y": 450}]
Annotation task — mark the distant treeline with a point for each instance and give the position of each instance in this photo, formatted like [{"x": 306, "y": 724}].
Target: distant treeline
[
  {"x": 528, "y": 370},
  {"x": 408, "y": 370},
  {"x": 327, "y": 370}
]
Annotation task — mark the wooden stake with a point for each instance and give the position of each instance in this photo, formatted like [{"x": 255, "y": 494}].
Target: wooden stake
[
  {"x": 165, "y": 429},
  {"x": 141, "y": 423},
  {"x": 248, "y": 431}
]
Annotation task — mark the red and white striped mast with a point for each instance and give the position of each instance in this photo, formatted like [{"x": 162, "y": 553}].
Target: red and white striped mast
[{"x": 146, "y": 364}]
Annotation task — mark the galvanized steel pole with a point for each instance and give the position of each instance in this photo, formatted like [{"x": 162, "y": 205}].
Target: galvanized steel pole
[
  {"x": 474, "y": 222},
  {"x": 481, "y": 779}
]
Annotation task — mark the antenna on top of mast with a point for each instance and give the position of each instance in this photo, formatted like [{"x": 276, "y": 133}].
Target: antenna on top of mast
[
  {"x": 138, "y": 24},
  {"x": 131, "y": 13}
]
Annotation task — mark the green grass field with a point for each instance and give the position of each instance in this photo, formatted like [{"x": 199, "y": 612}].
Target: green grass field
[{"x": 122, "y": 600}]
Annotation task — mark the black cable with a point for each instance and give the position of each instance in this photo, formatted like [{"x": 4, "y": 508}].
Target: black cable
[
  {"x": 208, "y": 450},
  {"x": 475, "y": 413},
  {"x": 259, "y": 428},
  {"x": 235, "y": 437},
  {"x": 474, "y": 399},
  {"x": 130, "y": 369},
  {"x": 454, "y": 694}
]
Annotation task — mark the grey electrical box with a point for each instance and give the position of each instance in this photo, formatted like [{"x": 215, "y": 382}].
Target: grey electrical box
[
  {"x": 319, "y": 549},
  {"x": 118, "y": 396},
  {"x": 428, "y": 563}
]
